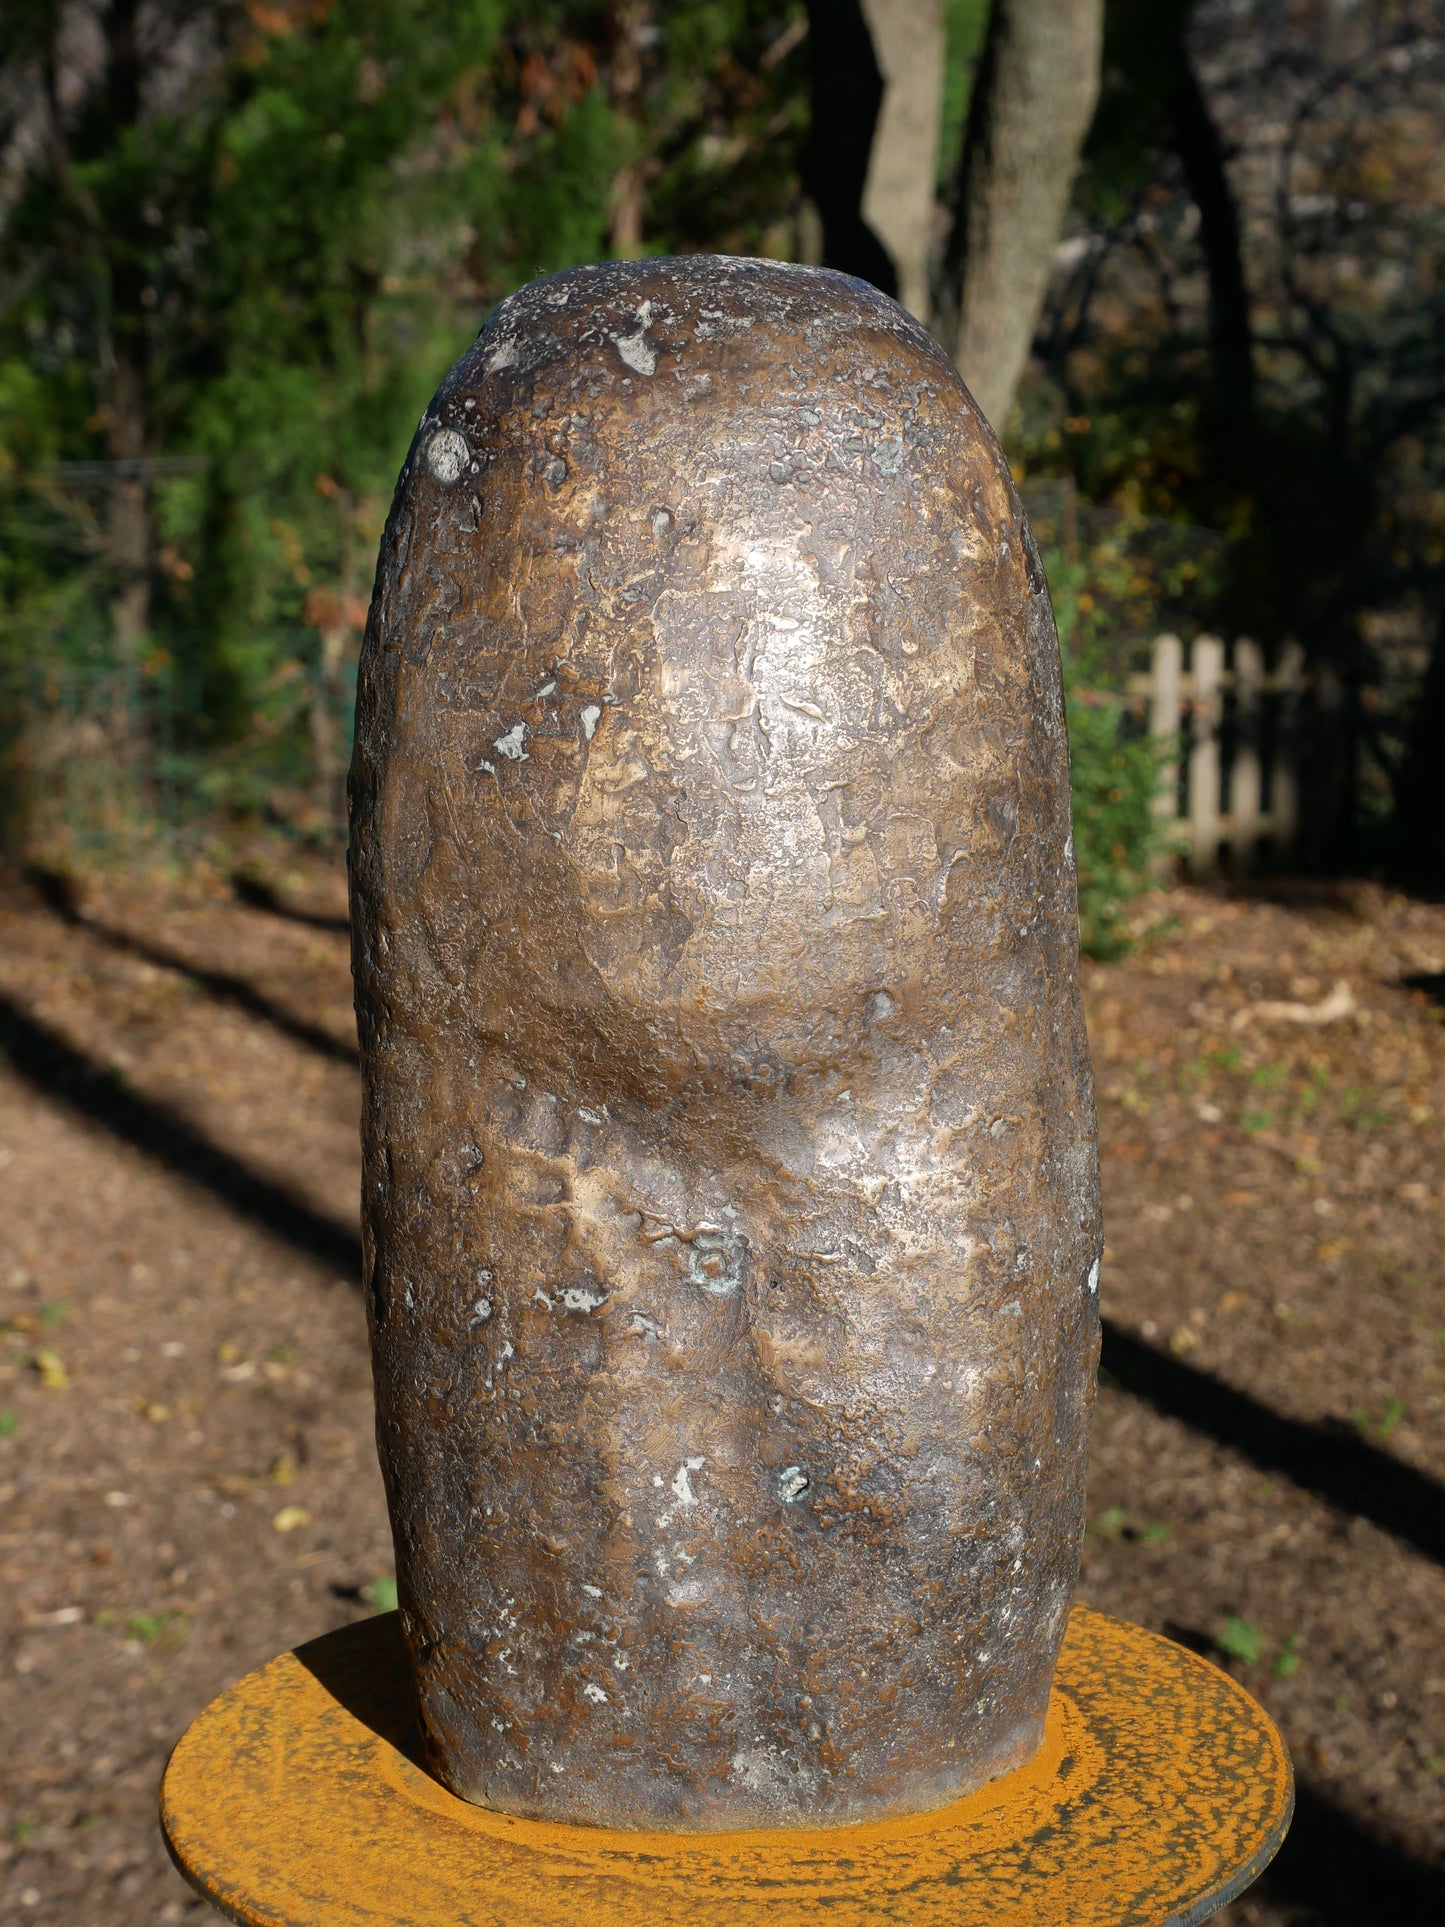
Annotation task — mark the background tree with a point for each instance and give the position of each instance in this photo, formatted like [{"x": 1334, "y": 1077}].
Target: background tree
[{"x": 1030, "y": 108}]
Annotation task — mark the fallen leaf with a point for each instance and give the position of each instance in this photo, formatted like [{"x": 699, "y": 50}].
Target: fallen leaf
[
  {"x": 51, "y": 1367},
  {"x": 290, "y": 1517}
]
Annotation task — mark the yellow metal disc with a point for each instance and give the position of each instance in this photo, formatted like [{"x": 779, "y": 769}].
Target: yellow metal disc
[{"x": 1159, "y": 1792}]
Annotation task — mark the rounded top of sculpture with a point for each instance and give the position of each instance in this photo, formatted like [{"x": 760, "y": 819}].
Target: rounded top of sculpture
[
  {"x": 642, "y": 316},
  {"x": 710, "y": 626}
]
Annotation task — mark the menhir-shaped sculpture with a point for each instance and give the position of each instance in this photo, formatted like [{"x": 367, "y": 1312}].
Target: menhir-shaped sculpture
[{"x": 732, "y": 1228}]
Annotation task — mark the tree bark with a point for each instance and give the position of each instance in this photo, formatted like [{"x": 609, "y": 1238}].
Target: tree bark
[
  {"x": 899, "y": 192},
  {"x": 128, "y": 535},
  {"x": 1420, "y": 792},
  {"x": 627, "y": 201},
  {"x": 128, "y": 529},
  {"x": 1201, "y": 154},
  {"x": 1033, "y": 99}
]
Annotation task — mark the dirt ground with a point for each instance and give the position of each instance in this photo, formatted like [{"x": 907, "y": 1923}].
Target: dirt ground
[{"x": 186, "y": 1467}]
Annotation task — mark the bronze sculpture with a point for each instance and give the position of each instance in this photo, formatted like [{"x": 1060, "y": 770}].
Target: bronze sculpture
[{"x": 730, "y": 1196}]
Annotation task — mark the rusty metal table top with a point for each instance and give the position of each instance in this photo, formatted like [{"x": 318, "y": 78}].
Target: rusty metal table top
[{"x": 1161, "y": 1790}]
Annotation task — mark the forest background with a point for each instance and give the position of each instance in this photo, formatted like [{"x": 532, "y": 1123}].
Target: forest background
[{"x": 241, "y": 241}]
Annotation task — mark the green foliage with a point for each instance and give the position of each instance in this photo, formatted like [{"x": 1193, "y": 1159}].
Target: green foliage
[
  {"x": 965, "y": 25},
  {"x": 242, "y": 299},
  {"x": 1114, "y": 766},
  {"x": 214, "y": 297},
  {"x": 1379, "y": 1428},
  {"x": 719, "y": 125},
  {"x": 1108, "y": 1525},
  {"x": 1113, "y": 1524},
  {"x": 1286, "y": 1660},
  {"x": 1115, "y": 780},
  {"x": 1237, "y": 1639},
  {"x": 165, "y": 1631}
]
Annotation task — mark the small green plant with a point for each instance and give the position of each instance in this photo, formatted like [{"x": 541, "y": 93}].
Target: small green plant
[
  {"x": 1286, "y": 1660},
  {"x": 380, "y": 1595},
  {"x": 1113, "y": 1524},
  {"x": 1108, "y": 1525},
  {"x": 22, "y": 1830},
  {"x": 52, "y": 1314},
  {"x": 1237, "y": 1639},
  {"x": 8, "y": 1424},
  {"x": 1379, "y": 1428},
  {"x": 1253, "y": 1121},
  {"x": 1362, "y": 1112},
  {"x": 165, "y": 1631}
]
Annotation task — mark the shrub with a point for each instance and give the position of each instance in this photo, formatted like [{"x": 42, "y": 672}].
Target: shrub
[
  {"x": 1117, "y": 835},
  {"x": 1115, "y": 766}
]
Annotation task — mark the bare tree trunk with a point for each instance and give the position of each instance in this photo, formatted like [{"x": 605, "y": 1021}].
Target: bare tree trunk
[
  {"x": 1032, "y": 103},
  {"x": 128, "y": 534},
  {"x": 1201, "y": 153},
  {"x": 1420, "y": 791},
  {"x": 626, "y": 204},
  {"x": 898, "y": 195}
]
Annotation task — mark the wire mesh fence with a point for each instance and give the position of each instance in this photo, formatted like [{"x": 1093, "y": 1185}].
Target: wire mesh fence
[{"x": 97, "y": 757}]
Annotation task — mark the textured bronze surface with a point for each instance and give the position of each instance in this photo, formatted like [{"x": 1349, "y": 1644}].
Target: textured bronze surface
[{"x": 730, "y": 1192}]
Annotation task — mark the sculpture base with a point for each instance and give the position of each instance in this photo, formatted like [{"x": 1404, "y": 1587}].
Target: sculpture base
[{"x": 1161, "y": 1790}]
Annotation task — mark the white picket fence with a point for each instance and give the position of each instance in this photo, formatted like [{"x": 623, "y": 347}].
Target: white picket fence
[{"x": 1237, "y": 789}]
